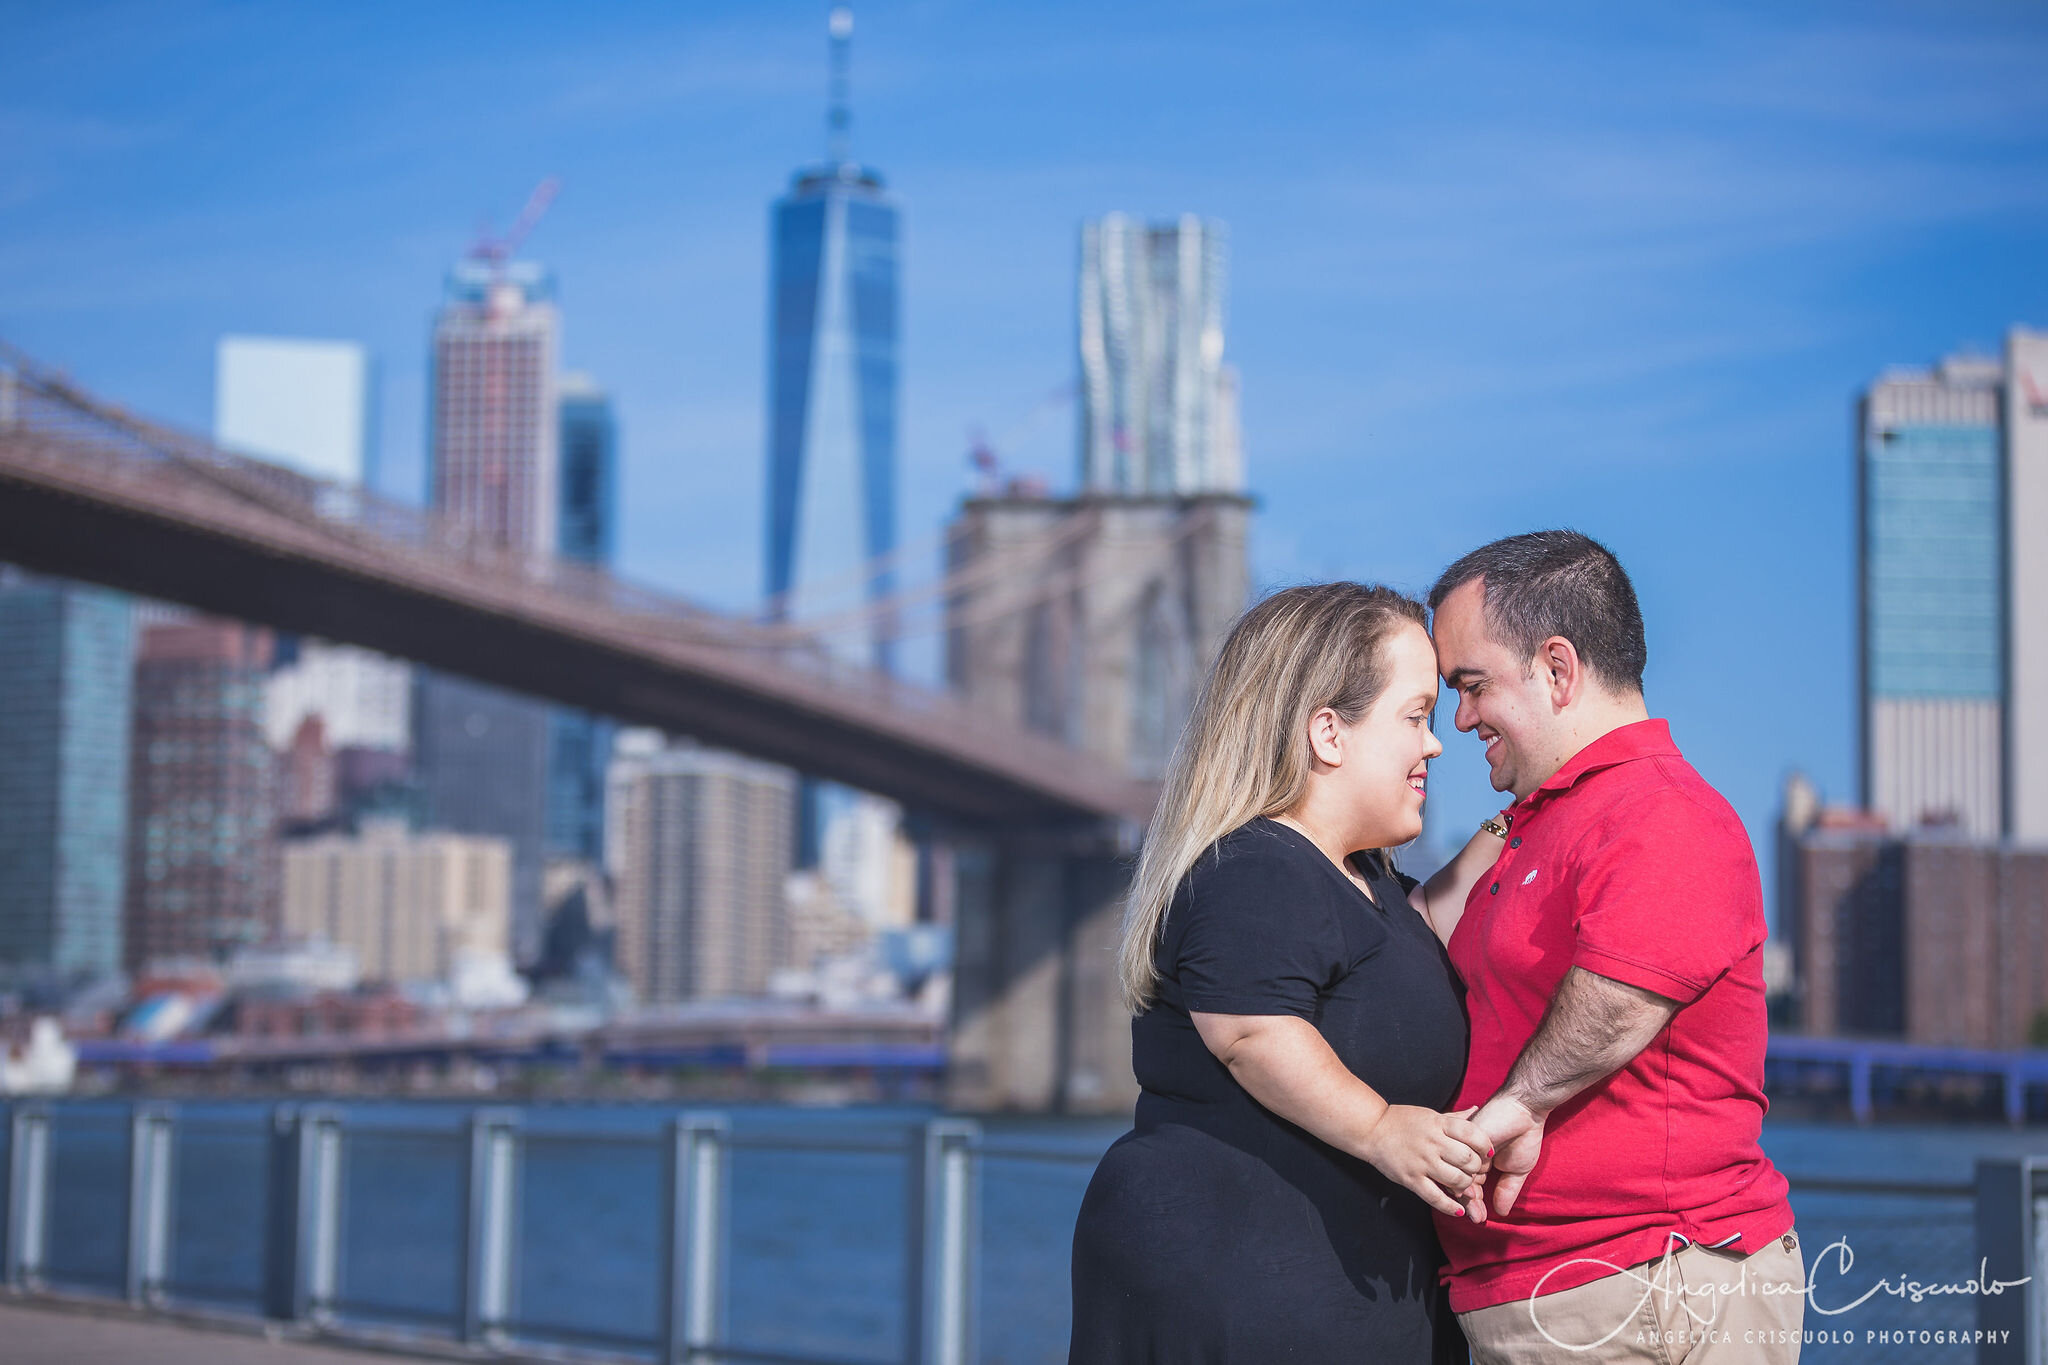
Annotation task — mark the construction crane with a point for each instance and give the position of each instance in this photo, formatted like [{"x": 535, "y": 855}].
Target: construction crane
[{"x": 498, "y": 250}]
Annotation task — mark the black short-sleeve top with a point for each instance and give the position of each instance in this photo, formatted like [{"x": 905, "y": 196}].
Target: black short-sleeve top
[{"x": 1264, "y": 924}]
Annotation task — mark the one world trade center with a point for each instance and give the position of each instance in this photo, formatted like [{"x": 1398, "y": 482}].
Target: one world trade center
[{"x": 832, "y": 392}]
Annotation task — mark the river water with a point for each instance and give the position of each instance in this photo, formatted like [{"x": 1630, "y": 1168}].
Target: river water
[{"x": 817, "y": 1239}]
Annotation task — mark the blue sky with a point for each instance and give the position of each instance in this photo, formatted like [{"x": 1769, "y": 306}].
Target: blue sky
[{"x": 1494, "y": 267}]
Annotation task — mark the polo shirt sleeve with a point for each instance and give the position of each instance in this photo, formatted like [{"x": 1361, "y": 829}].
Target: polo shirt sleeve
[
  {"x": 1259, "y": 938},
  {"x": 1669, "y": 899}
]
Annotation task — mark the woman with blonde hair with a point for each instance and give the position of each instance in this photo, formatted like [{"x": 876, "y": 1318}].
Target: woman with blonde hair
[{"x": 1297, "y": 1028}]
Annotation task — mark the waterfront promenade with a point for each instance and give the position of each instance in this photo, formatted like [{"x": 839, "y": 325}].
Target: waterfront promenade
[{"x": 43, "y": 1332}]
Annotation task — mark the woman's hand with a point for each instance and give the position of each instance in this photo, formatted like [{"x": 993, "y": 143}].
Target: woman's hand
[{"x": 1441, "y": 1157}]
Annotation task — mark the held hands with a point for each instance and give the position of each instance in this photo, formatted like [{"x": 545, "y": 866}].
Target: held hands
[
  {"x": 1515, "y": 1133},
  {"x": 1441, "y": 1157}
]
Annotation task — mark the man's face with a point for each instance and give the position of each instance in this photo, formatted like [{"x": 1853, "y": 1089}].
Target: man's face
[{"x": 1500, "y": 699}]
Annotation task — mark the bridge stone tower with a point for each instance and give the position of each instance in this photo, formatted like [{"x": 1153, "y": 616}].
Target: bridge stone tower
[{"x": 1092, "y": 620}]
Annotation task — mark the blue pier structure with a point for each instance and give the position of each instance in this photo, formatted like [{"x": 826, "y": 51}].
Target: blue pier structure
[
  {"x": 1868, "y": 1071},
  {"x": 1869, "y": 1067}
]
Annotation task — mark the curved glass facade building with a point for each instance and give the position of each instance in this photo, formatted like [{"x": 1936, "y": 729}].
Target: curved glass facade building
[{"x": 1158, "y": 402}]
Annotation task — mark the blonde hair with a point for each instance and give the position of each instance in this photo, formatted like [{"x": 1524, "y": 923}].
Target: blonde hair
[{"x": 1244, "y": 750}]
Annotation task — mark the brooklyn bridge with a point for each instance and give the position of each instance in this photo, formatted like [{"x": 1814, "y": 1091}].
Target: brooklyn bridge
[{"x": 1039, "y": 830}]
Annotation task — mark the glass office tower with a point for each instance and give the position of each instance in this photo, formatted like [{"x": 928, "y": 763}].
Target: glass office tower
[
  {"x": 1930, "y": 537},
  {"x": 589, "y": 455},
  {"x": 580, "y": 743},
  {"x": 66, "y": 674},
  {"x": 832, "y": 392}
]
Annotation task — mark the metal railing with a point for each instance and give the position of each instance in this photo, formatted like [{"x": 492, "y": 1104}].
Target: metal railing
[
  {"x": 306, "y": 1211},
  {"x": 519, "y": 1235}
]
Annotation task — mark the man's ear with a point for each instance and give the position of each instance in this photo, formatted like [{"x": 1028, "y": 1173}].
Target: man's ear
[{"x": 1564, "y": 672}]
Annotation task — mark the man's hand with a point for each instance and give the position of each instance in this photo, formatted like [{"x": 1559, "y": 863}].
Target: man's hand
[
  {"x": 1517, "y": 1136},
  {"x": 1593, "y": 1027}
]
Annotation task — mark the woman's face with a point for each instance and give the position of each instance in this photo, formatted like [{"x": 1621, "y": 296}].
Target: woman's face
[{"x": 1387, "y": 753}]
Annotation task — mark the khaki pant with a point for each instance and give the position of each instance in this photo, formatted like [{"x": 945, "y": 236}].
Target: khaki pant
[{"x": 1696, "y": 1306}]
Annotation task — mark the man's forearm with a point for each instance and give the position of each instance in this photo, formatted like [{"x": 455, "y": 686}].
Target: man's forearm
[{"x": 1594, "y": 1026}]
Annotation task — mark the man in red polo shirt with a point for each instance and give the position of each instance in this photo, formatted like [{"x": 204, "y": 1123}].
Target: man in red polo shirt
[{"x": 1613, "y": 967}]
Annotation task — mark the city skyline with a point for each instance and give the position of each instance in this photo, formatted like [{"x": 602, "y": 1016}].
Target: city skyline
[{"x": 1641, "y": 262}]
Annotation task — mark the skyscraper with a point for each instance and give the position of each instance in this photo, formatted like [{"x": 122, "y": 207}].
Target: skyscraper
[
  {"x": 482, "y": 753},
  {"x": 202, "y": 872},
  {"x": 310, "y": 405},
  {"x": 1930, "y": 533},
  {"x": 589, "y": 456},
  {"x": 698, "y": 845},
  {"x": 833, "y": 391},
  {"x": 2026, "y": 533},
  {"x": 1159, "y": 408},
  {"x": 496, "y": 439},
  {"x": 66, "y": 672},
  {"x": 579, "y": 743}
]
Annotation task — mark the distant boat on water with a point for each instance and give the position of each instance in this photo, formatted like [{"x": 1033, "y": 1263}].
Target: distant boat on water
[{"x": 45, "y": 1066}]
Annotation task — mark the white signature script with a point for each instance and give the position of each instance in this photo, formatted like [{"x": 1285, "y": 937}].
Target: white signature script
[{"x": 1701, "y": 1299}]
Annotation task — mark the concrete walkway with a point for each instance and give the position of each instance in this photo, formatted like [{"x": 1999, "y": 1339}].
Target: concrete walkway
[{"x": 69, "y": 1334}]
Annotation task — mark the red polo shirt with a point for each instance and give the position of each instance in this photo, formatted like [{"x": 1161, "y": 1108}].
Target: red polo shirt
[{"x": 1628, "y": 864}]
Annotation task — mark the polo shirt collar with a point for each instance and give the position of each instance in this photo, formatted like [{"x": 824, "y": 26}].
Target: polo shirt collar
[{"x": 1639, "y": 739}]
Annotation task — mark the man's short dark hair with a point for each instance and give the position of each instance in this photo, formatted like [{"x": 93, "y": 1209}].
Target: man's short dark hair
[{"x": 1563, "y": 583}]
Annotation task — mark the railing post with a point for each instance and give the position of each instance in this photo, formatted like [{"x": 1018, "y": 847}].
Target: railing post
[
  {"x": 303, "y": 1232},
  {"x": 1861, "y": 1106},
  {"x": 2012, "y": 1246},
  {"x": 28, "y": 1194},
  {"x": 281, "y": 1298},
  {"x": 149, "y": 1202},
  {"x": 322, "y": 1211},
  {"x": 693, "y": 1242},
  {"x": 944, "y": 1241},
  {"x": 487, "y": 1263}
]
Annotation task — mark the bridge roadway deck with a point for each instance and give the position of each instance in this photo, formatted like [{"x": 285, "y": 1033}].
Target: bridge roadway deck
[
  {"x": 89, "y": 492},
  {"x": 77, "y": 1332}
]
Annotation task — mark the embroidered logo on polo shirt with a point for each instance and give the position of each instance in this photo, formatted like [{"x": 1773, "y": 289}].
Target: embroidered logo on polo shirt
[{"x": 1530, "y": 878}]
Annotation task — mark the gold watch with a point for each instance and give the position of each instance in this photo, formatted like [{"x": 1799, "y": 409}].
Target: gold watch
[{"x": 1492, "y": 825}]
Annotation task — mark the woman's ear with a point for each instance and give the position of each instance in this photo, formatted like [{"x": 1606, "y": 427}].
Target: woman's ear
[{"x": 1326, "y": 738}]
